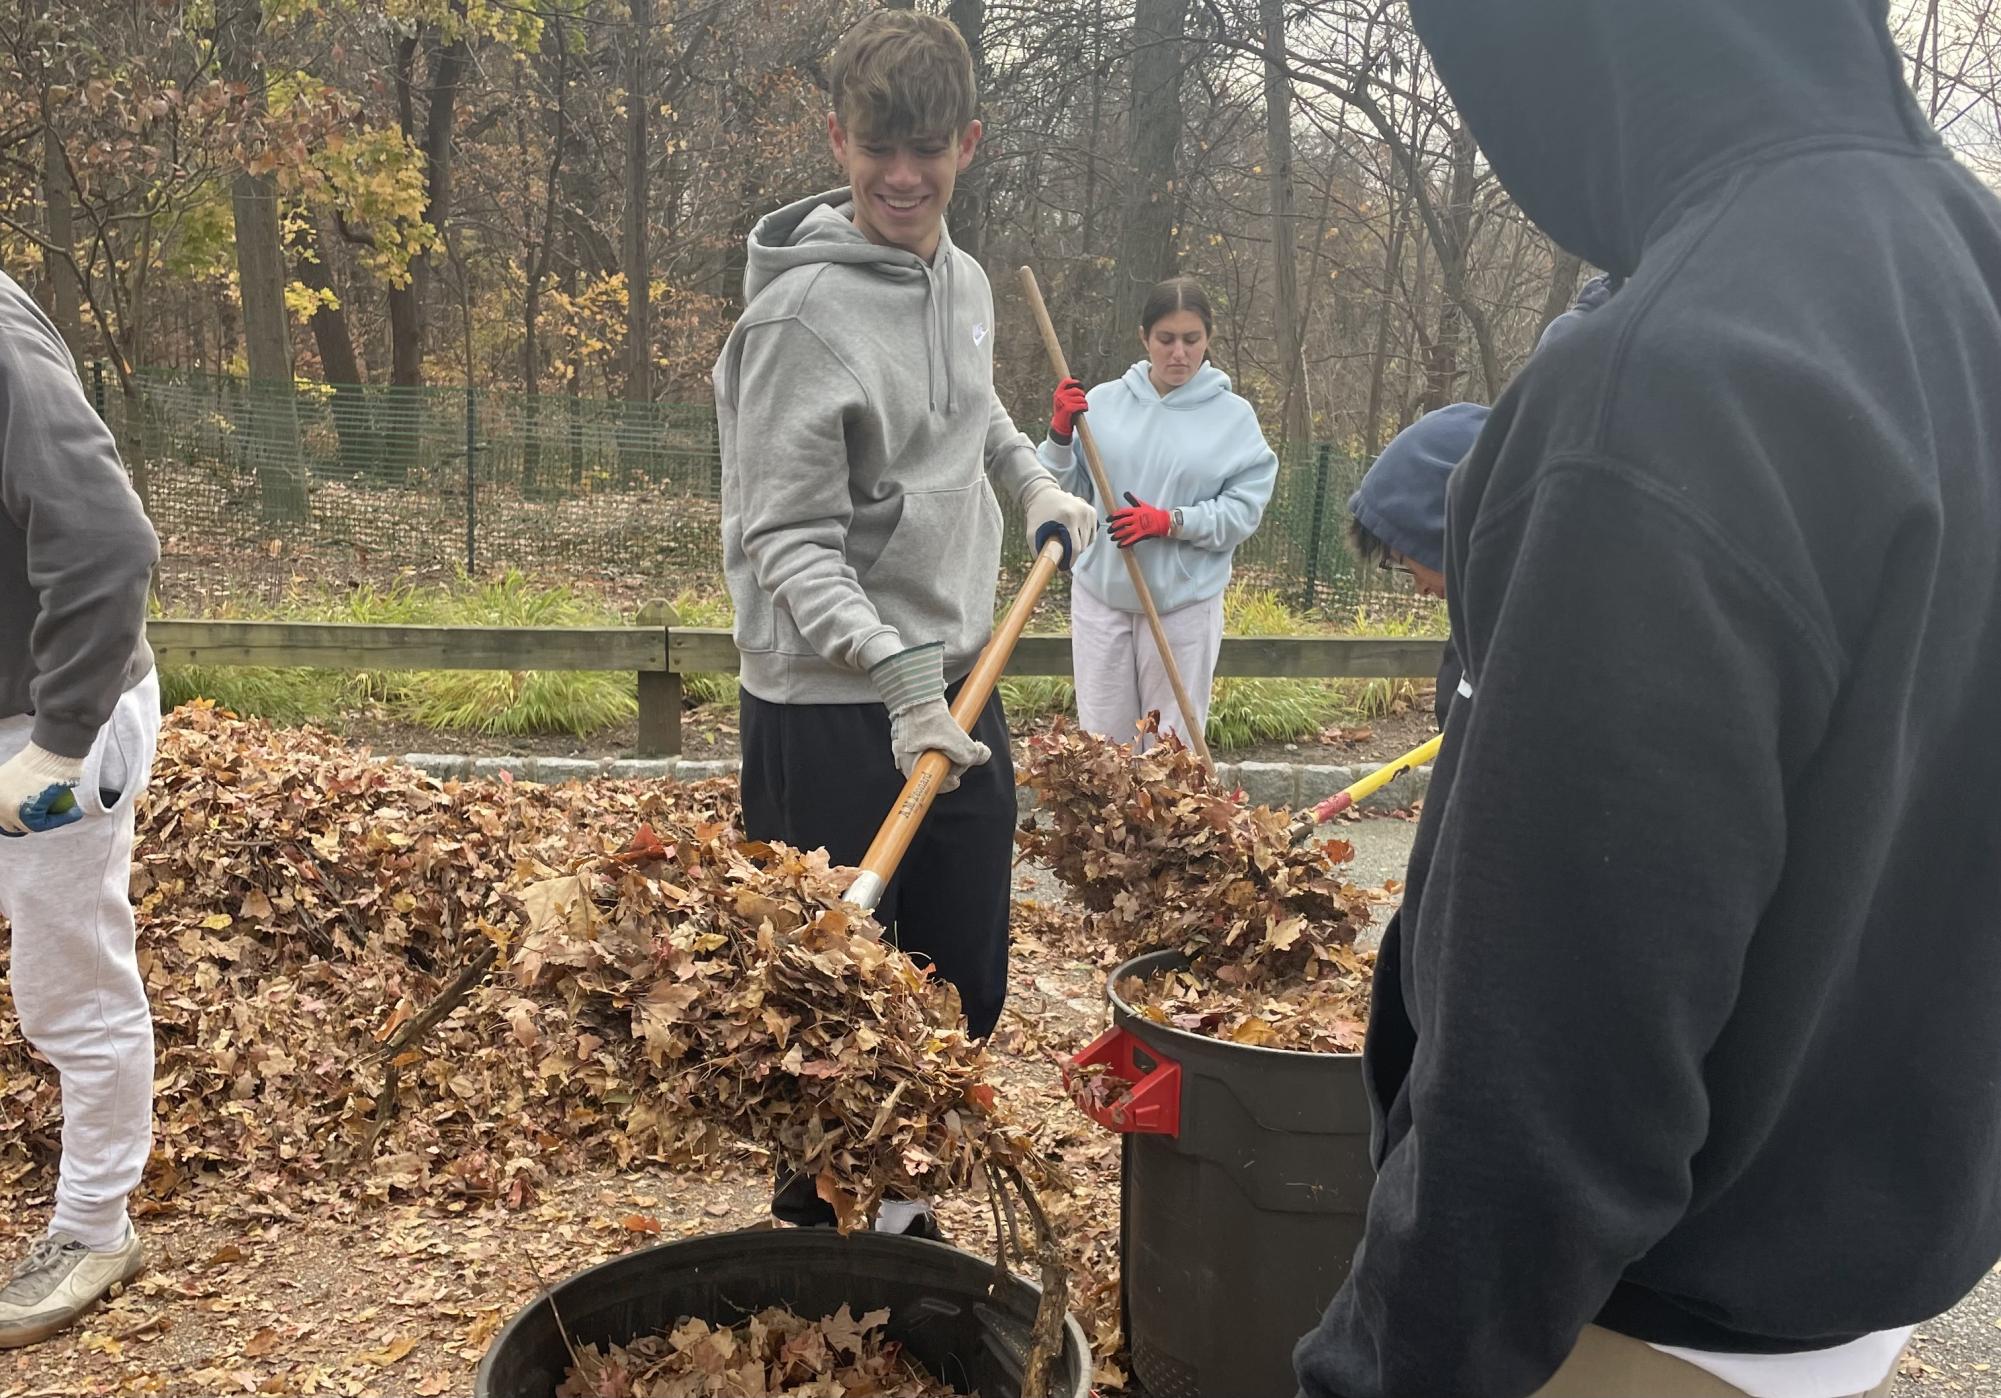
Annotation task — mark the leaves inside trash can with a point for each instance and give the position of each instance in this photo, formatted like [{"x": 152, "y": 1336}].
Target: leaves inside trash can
[{"x": 773, "y": 1352}]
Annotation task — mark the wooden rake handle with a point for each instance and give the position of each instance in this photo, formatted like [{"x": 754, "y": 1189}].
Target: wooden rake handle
[
  {"x": 1096, "y": 463},
  {"x": 892, "y": 841}
]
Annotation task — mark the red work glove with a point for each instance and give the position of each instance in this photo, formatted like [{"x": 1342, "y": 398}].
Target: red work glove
[
  {"x": 1068, "y": 405},
  {"x": 1142, "y": 521}
]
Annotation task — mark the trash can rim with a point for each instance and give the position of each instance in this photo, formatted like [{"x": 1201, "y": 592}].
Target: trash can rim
[{"x": 1149, "y": 962}]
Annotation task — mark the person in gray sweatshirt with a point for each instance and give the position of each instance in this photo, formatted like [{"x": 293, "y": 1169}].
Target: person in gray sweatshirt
[
  {"x": 863, "y": 448},
  {"x": 79, "y": 716}
]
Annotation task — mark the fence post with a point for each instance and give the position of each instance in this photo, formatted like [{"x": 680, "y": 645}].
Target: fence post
[
  {"x": 1307, "y": 595},
  {"x": 659, "y": 693},
  {"x": 97, "y": 388},
  {"x": 472, "y": 477}
]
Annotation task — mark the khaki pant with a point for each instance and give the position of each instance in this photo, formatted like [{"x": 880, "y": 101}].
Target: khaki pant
[{"x": 1609, "y": 1365}]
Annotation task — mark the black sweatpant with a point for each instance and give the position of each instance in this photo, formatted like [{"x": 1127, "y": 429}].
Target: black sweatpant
[{"x": 822, "y": 775}]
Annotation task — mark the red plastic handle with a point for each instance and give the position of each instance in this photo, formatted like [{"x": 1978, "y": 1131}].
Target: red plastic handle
[{"x": 1146, "y": 1088}]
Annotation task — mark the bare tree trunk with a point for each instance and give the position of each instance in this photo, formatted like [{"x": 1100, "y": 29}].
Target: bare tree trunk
[
  {"x": 260, "y": 275},
  {"x": 1379, "y": 360},
  {"x": 445, "y": 66},
  {"x": 540, "y": 254},
  {"x": 65, "y": 297},
  {"x": 638, "y": 280},
  {"x": 1153, "y": 144},
  {"x": 967, "y": 218},
  {"x": 636, "y": 455},
  {"x": 1456, "y": 315},
  {"x": 354, "y": 431},
  {"x": 1089, "y": 337},
  {"x": 406, "y": 302},
  {"x": 1294, "y": 426}
]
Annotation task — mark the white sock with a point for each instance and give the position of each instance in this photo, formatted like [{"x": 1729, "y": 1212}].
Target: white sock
[{"x": 896, "y": 1215}]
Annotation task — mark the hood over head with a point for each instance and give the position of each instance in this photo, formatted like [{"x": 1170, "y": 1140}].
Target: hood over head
[{"x": 1597, "y": 114}]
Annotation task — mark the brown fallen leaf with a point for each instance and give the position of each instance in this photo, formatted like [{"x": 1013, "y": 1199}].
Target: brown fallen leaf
[
  {"x": 391, "y": 1353},
  {"x": 262, "y": 1343}
]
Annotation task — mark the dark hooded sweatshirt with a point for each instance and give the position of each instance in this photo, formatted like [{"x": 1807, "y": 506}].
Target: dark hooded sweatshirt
[{"x": 1692, "y": 1026}]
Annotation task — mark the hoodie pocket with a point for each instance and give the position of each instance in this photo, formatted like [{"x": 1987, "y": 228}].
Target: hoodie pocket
[{"x": 934, "y": 579}]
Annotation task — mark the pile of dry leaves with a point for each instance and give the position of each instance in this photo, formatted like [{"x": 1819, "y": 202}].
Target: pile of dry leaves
[
  {"x": 773, "y": 1352},
  {"x": 301, "y": 907},
  {"x": 1165, "y": 859},
  {"x": 754, "y": 1003}
]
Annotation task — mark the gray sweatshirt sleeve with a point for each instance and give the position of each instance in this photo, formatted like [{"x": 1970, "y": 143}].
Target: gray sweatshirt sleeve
[
  {"x": 794, "y": 490},
  {"x": 90, "y": 550},
  {"x": 1011, "y": 459}
]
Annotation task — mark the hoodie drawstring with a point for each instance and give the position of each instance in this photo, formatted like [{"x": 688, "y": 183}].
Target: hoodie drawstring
[{"x": 938, "y": 332}]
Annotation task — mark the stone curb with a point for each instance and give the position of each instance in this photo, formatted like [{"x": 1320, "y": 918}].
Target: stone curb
[{"x": 1291, "y": 784}]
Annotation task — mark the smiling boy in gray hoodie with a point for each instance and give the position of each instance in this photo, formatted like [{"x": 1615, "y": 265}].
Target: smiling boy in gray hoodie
[{"x": 862, "y": 449}]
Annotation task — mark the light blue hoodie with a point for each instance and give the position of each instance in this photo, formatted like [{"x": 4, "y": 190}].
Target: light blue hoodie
[{"x": 1198, "y": 449}]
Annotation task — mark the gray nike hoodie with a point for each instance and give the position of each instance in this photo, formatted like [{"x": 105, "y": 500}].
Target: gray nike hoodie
[
  {"x": 76, "y": 552},
  {"x": 862, "y": 447}
]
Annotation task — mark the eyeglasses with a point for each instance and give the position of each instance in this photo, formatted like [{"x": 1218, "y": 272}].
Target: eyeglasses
[{"x": 1391, "y": 565}]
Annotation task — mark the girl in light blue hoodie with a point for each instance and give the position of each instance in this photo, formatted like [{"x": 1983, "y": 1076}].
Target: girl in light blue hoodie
[{"x": 1191, "y": 465}]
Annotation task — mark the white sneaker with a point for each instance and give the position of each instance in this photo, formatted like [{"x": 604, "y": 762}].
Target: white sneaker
[{"x": 58, "y": 1281}]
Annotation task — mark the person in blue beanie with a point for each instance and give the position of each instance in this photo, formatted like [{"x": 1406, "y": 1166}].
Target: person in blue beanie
[
  {"x": 1189, "y": 458},
  {"x": 1396, "y": 520},
  {"x": 1590, "y": 297},
  {"x": 1397, "y": 516}
]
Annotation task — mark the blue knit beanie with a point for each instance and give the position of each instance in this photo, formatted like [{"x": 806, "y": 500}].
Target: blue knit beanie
[
  {"x": 1402, "y": 499},
  {"x": 1594, "y": 294}
]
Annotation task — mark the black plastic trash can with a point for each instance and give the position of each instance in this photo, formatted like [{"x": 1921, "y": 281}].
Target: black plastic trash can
[
  {"x": 1247, "y": 1179},
  {"x": 938, "y": 1300}
]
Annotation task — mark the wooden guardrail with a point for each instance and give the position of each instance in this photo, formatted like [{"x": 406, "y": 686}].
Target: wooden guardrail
[{"x": 661, "y": 652}]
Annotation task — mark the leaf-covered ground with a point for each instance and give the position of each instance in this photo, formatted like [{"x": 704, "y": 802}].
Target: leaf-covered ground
[
  {"x": 424, "y": 1045},
  {"x": 258, "y": 1289},
  {"x": 304, "y": 913}
]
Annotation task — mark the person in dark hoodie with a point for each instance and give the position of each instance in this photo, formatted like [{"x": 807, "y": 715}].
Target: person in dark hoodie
[
  {"x": 862, "y": 445},
  {"x": 79, "y": 716},
  {"x": 1685, "y": 1054}
]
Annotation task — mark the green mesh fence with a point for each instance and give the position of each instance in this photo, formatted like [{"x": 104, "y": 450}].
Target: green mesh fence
[{"x": 270, "y": 484}]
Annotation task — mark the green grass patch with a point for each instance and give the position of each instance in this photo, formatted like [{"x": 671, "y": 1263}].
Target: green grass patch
[
  {"x": 484, "y": 701},
  {"x": 1244, "y": 712},
  {"x": 706, "y": 609},
  {"x": 282, "y": 696},
  {"x": 1031, "y": 697}
]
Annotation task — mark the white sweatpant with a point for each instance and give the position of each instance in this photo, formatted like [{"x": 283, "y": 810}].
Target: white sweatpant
[
  {"x": 66, "y": 895},
  {"x": 1117, "y": 667}
]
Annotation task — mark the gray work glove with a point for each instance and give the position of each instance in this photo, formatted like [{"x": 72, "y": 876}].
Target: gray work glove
[
  {"x": 1045, "y": 503},
  {"x": 912, "y": 685}
]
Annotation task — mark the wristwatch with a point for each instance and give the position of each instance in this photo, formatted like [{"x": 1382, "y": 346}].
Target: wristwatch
[{"x": 1175, "y": 514}]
